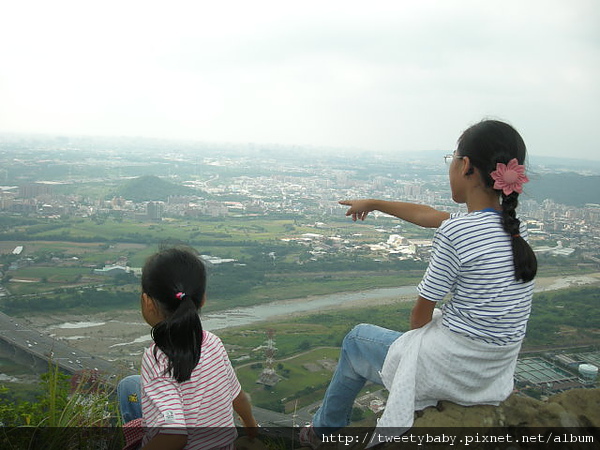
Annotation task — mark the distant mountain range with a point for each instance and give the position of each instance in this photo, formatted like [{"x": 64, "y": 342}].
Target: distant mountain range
[
  {"x": 576, "y": 165},
  {"x": 572, "y": 182},
  {"x": 566, "y": 188},
  {"x": 151, "y": 188}
]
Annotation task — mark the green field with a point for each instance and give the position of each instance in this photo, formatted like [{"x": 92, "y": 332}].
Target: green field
[
  {"x": 59, "y": 257},
  {"x": 303, "y": 381},
  {"x": 228, "y": 232},
  {"x": 301, "y": 342}
]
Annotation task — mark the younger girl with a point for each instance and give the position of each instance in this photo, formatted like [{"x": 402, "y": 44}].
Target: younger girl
[
  {"x": 188, "y": 387},
  {"x": 468, "y": 353}
]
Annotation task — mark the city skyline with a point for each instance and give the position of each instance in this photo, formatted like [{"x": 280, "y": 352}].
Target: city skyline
[{"x": 391, "y": 77}]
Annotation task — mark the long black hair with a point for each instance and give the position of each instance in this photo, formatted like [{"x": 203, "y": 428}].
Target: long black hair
[
  {"x": 487, "y": 143},
  {"x": 175, "y": 278}
]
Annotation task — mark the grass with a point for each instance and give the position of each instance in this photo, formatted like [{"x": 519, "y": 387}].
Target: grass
[
  {"x": 10, "y": 367},
  {"x": 294, "y": 335},
  {"x": 64, "y": 416},
  {"x": 306, "y": 285},
  {"x": 225, "y": 229},
  {"x": 291, "y": 337},
  {"x": 300, "y": 341},
  {"x": 291, "y": 393},
  {"x": 53, "y": 274},
  {"x": 545, "y": 270}
]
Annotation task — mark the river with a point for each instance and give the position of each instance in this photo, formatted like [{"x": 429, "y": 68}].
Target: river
[
  {"x": 248, "y": 315},
  {"x": 98, "y": 333}
]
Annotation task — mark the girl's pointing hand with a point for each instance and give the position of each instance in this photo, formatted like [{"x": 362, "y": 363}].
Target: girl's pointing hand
[{"x": 359, "y": 209}]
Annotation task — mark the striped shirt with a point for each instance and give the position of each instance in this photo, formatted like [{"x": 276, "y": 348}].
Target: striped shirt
[
  {"x": 200, "y": 407},
  {"x": 472, "y": 260}
]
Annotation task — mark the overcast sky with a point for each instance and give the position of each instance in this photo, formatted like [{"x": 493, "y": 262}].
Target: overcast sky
[{"x": 394, "y": 75}]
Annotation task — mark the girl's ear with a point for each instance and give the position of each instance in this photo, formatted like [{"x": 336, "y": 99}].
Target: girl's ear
[
  {"x": 466, "y": 168},
  {"x": 149, "y": 303},
  {"x": 203, "y": 301}
]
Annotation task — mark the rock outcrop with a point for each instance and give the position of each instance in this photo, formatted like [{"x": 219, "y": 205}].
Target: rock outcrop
[
  {"x": 566, "y": 421},
  {"x": 573, "y": 408}
]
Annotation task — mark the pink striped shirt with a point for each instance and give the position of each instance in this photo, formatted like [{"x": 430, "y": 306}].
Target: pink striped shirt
[{"x": 200, "y": 407}]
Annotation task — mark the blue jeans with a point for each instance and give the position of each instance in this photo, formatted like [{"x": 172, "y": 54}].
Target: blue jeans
[
  {"x": 129, "y": 396},
  {"x": 361, "y": 358}
]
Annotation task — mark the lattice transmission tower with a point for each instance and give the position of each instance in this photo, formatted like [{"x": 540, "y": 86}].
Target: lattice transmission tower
[{"x": 268, "y": 376}]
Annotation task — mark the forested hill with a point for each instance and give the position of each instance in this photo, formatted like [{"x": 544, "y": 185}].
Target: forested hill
[
  {"x": 151, "y": 188},
  {"x": 565, "y": 188}
]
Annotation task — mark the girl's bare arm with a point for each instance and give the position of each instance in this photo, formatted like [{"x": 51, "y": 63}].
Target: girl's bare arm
[
  {"x": 241, "y": 405},
  {"x": 422, "y": 215}
]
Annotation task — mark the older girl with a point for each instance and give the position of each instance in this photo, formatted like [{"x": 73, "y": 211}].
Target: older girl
[{"x": 468, "y": 353}]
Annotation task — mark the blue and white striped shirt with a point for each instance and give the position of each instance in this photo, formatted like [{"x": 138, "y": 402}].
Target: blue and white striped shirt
[{"x": 472, "y": 259}]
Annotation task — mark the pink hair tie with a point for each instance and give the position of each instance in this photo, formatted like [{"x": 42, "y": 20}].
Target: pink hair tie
[
  {"x": 509, "y": 177},
  {"x": 180, "y": 295}
]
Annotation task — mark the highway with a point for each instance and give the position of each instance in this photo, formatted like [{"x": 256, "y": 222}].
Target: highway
[{"x": 41, "y": 347}]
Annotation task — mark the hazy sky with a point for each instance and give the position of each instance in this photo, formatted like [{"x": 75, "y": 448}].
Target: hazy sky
[{"x": 392, "y": 75}]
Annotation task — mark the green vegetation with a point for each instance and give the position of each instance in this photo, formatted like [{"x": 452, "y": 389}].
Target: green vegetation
[
  {"x": 323, "y": 329},
  {"x": 556, "y": 266},
  {"x": 568, "y": 317},
  {"x": 230, "y": 233},
  {"x": 64, "y": 415},
  {"x": 555, "y": 316},
  {"x": 582, "y": 189},
  {"x": 288, "y": 394},
  {"x": 57, "y": 275},
  {"x": 151, "y": 188},
  {"x": 565, "y": 317},
  {"x": 62, "y": 254},
  {"x": 74, "y": 299},
  {"x": 301, "y": 343},
  {"x": 560, "y": 318}
]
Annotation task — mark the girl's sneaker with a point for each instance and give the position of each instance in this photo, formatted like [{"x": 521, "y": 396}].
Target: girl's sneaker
[{"x": 308, "y": 437}]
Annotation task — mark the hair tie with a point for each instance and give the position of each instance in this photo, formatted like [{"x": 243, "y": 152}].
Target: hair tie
[
  {"x": 509, "y": 177},
  {"x": 180, "y": 295},
  {"x": 516, "y": 235}
]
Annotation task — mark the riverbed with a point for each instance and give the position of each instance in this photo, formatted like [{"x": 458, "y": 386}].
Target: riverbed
[{"x": 122, "y": 335}]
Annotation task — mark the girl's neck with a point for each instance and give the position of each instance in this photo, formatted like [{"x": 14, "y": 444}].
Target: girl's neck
[{"x": 479, "y": 200}]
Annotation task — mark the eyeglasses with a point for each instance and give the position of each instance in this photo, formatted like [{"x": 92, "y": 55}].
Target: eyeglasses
[{"x": 448, "y": 158}]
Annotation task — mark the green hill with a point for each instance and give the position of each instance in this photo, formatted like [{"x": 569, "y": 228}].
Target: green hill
[
  {"x": 151, "y": 188},
  {"x": 565, "y": 188}
]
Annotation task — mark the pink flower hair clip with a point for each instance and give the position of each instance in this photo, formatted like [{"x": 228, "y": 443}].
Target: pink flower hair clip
[{"x": 509, "y": 177}]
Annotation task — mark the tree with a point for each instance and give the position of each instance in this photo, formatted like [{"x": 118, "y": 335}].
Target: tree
[{"x": 304, "y": 345}]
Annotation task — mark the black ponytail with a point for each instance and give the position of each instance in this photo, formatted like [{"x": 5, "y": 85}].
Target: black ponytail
[
  {"x": 524, "y": 258},
  {"x": 179, "y": 336},
  {"x": 175, "y": 279},
  {"x": 487, "y": 143}
]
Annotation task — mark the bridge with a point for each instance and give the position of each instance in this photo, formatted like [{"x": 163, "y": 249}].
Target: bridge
[{"x": 38, "y": 351}]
